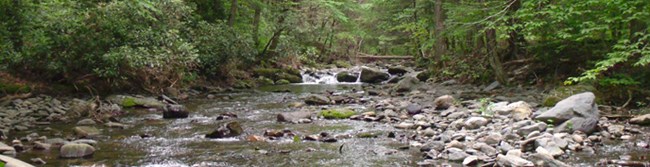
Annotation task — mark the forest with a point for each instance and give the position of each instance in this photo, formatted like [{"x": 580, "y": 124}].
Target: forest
[
  {"x": 157, "y": 47},
  {"x": 155, "y": 44}
]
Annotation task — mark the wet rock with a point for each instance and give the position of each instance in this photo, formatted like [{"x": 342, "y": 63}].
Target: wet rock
[
  {"x": 76, "y": 150},
  {"x": 7, "y": 150},
  {"x": 578, "y": 112},
  {"x": 230, "y": 129},
  {"x": 329, "y": 140},
  {"x": 540, "y": 126},
  {"x": 492, "y": 86},
  {"x": 512, "y": 159},
  {"x": 455, "y": 144},
  {"x": 475, "y": 122},
  {"x": 397, "y": 70},
  {"x": 470, "y": 161},
  {"x": 86, "y": 121},
  {"x": 175, "y": 111},
  {"x": 294, "y": 117},
  {"x": 41, "y": 146},
  {"x": 274, "y": 133},
  {"x": 429, "y": 132},
  {"x": 616, "y": 130},
  {"x": 18, "y": 146},
  {"x": 86, "y": 132},
  {"x": 407, "y": 84},
  {"x": 641, "y": 120},
  {"x": 116, "y": 125},
  {"x": 520, "y": 110},
  {"x": 493, "y": 138},
  {"x": 255, "y": 138},
  {"x": 413, "y": 109},
  {"x": 13, "y": 162},
  {"x": 444, "y": 102},
  {"x": 317, "y": 100},
  {"x": 346, "y": 77},
  {"x": 545, "y": 159},
  {"x": 456, "y": 154},
  {"x": 485, "y": 148},
  {"x": 587, "y": 125},
  {"x": 38, "y": 161},
  {"x": 370, "y": 75},
  {"x": 228, "y": 115},
  {"x": 405, "y": 125}
]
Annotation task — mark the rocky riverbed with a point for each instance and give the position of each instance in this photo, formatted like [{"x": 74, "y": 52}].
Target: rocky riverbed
[{"x": 402, "y": 120}]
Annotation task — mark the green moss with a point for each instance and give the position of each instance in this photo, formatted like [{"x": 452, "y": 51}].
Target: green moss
[
  {"x": 282, "y": 82},
  {"x": 128, "y": 102},
  {"x": 264, "y": 81},
  {"x": 292, "y": 71},
  {"x": 563, "y": 92},
  {"x": 291, "y": 78},
  {"x": 267, "y": 72},
  {"x": 340, "y": 113},
  {"x": 369, "y": 134},
  {"x": 342, "y": 64},
  {"x": 14, "y": 88}
]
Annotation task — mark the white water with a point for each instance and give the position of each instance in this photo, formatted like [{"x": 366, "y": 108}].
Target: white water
[{"x": 328, "y": 76}]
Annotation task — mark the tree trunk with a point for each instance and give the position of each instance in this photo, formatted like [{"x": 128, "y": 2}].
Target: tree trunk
[
  {"x": 439, "y": 17},
  {"x": 493, "y": 57},
  {"x": 233, "y": 13},
  {"x": 515, "y": 40},
  {"x": 256, "y": 25}
]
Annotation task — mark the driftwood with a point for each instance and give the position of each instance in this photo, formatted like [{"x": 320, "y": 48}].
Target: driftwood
[{"x": 367, "y": 56}]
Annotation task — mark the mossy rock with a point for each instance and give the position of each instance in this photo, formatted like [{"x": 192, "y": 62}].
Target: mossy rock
[
  {"x": 264, "y": 81},
  {"x": 290, "y": 77},
  {"x": 563, "y": 92},
  {"x": 423, "y": 76},
  {"x": 242, "y": 84},
  {"x": 342, "y": 64},
  {"x": 267, "y": 72},
  {"x": 130, "y": 101},
  {"x": 282, "y": 82},
  {"x": 340, "y": 113},
  {"x": 369, "y": 134},
  {"x": 292, "y": 71}
]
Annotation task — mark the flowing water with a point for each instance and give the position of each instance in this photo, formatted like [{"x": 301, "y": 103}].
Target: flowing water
[{"x": 181, "y": 142}]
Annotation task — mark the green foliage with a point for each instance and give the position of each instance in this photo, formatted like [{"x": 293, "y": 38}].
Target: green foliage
[
  {"x": 485, "y": 107},
  {"x": 218, "y": 45}
]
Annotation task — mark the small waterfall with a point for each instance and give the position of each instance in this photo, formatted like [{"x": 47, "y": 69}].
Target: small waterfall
[{"x": 328, "y": 76}]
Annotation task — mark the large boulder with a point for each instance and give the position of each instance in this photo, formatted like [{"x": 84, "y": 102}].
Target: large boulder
[
  {"x": 230, "y": 129},
  {"x": 370, "y": 75},
  {"x": 576, "y": 113},
  {"x": 317, "y": 100},
  {"x": 346, "y": 77},
  {"x": 407, "y": 84},
  {"x": 76, "y": 150},
  {"x": 294, "y": 117},
  {"x": 175, "y": 111}
]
